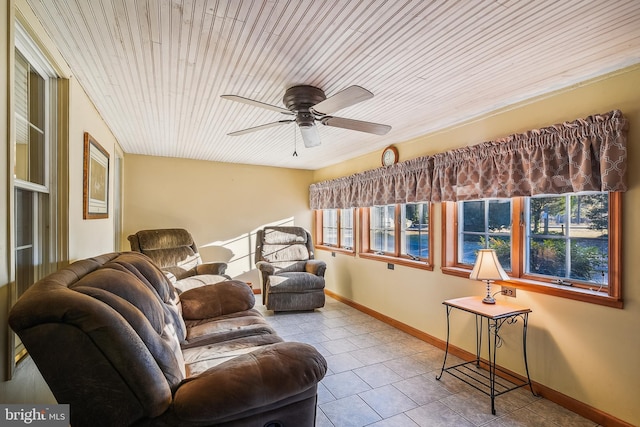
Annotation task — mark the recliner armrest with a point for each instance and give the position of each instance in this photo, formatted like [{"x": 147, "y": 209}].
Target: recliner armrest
[
  {"x": 263, "y": 377},
  {"x": 218, "y": 268},
  {"x": 204, "y": 302},
  {"x": 316, "y": 266},
  {"x": 266, "y": 267}
]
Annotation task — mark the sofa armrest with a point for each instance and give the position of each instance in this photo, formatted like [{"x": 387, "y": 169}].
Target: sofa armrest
[
  {"x": 258, "y": 379},
  {"x": 230, "y": 296},
  {"x": 218, "y": 268},
  {"x": 316, "y": 266}
]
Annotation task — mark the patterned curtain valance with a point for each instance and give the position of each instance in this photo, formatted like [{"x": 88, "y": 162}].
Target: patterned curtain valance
[
  {"x": 405, "y": 182},
  {"x": 583, "y": 155}
]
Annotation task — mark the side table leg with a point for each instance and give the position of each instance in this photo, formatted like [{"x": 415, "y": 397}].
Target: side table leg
[
  {"x": 524, "y": 350},
  {"x": 478, "y": 339},
  {"x": 446, "y": 348},
  {"x": 492, "y": 361}
]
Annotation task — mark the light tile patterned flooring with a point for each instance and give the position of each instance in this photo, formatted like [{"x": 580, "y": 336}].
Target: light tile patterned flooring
[{"x": 381, "y": 376}]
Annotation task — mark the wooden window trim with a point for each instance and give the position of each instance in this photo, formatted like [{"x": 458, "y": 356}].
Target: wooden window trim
[
  {"x": 318, "y": 234},
  {"x": 533, "y": 283},
  {"x": 393, "y": 258}
]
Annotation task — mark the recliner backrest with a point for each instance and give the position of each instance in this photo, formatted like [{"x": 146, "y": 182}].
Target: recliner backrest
[
  {"x": 284, "y": 246},
  {"x": 172, "y": 249}
]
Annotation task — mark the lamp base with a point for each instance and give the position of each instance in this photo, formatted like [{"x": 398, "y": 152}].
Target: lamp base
[{"x": 489, "y": 299}]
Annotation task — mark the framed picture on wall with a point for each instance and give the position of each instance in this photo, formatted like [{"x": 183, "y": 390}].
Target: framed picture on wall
[{"x": 96, "y": 180}]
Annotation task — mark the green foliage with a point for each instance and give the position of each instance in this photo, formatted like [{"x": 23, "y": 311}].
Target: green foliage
[
  {"x": 584, "y": 261},
  {"x": 502, "y": 248},
  {"x": 548, "y": 257},
  {"x": 596, "y": 210}
]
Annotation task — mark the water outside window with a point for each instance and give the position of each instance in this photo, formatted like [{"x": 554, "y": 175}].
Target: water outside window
[{"x": 415, "y": 230}]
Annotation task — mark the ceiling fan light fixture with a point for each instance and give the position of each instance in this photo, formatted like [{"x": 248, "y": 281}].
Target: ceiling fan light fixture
[{"x": 310, "y": 135}]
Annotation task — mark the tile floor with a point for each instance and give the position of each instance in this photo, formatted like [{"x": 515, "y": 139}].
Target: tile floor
[{"x": 381, "y": 376}]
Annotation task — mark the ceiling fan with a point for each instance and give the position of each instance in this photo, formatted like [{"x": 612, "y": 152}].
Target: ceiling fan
[{"x": 310, "y": 105}]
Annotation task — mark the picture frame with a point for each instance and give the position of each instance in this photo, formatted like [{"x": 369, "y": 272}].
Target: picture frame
[{"x": 95, "y": 192}]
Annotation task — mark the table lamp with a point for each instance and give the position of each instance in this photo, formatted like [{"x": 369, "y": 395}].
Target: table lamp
[{"x": 488, "y": 268}]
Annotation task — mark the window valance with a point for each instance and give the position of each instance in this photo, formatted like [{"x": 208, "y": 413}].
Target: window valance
[{"x": 584, "y": 155}]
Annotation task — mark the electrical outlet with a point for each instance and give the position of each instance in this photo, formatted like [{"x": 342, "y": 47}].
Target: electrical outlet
[
  {"x": 390, "y": 266},
  {"x": 508, "y": 291}
]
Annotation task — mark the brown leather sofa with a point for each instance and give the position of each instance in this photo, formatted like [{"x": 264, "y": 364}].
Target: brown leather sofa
[{"x": 114, "y": 340}]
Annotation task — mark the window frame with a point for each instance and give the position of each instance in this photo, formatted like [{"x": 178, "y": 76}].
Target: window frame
[
  {"x": 535, "y": 283},
  {"x": 32, "y": 54},
  {"x": 396, "y": 257},
  {"x": 319, "y": 227}
]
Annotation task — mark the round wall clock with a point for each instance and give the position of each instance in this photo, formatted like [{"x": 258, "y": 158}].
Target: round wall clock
[{"x": 389, "y": 156}]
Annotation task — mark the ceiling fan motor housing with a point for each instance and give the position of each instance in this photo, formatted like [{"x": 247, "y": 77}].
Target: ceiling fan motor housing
[{"x": 300, "y": 99}]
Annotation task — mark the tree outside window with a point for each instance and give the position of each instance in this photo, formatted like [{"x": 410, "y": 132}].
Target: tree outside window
[
  {"x": 568, "y": 238},
  {"x": 486, "y": 224}
]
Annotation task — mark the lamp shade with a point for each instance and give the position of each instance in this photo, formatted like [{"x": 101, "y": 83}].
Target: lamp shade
[{"x": 487, "y": 267}]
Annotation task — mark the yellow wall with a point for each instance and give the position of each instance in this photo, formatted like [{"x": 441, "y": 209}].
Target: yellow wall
[
  {"x": 585, "y": 351},
  {"x": 221, "y": 204}
]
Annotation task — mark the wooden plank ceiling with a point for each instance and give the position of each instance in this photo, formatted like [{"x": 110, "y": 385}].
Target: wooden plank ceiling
[{"x": 155, "y": 69}]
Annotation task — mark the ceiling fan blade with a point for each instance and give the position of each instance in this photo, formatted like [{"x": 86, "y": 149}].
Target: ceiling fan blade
[
  {"x": 343, "y": 99},
  {"x": 265, "y": 126},
  {"x": 256, "y": 103},
  {"x": 310, "y": 136},
  {"x": 358, "y": 125}
]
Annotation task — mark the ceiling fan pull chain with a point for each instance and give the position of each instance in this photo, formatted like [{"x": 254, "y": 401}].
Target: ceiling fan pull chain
[{"x": 295, "y": 135}]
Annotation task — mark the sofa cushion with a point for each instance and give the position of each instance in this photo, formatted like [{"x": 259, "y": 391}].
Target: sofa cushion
[
  {"x": 226, "y": 328},
  {"x": 203, "y": 357},
  {"x": 193, "y": 282},
  {"x": 206, "y": 301},
  {"x": 144, "y": 311},
  {"x": 268, "y": 369},
  {"x": 149, "y": 274}
]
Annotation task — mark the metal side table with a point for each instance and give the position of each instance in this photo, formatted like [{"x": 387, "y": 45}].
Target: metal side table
[{"x": 496, "y": 315}]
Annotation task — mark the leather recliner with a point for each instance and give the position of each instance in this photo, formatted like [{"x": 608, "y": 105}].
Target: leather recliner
[{"x": 176, "y": 253}]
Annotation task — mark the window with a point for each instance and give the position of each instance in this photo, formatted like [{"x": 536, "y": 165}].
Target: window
[
  {"x": 334, "y": 229},
  {"x": 382, "y": 229},
  {"x": 398, "y": 234},
  {"x": 567, "y": 245},
  {"x": 567, "y": 239},
  {"x": 37, "y": 185},
  {"x": 486, "y": 224}
]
